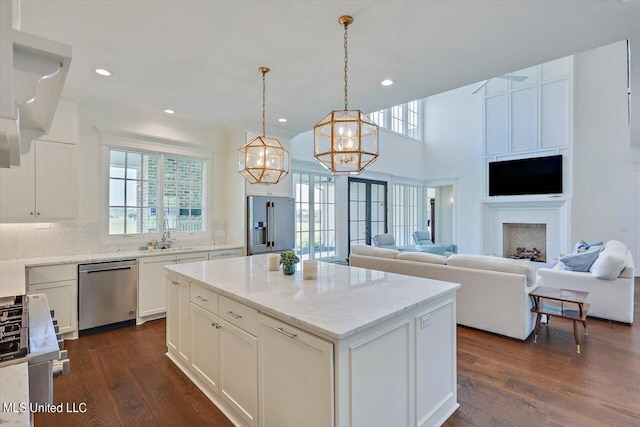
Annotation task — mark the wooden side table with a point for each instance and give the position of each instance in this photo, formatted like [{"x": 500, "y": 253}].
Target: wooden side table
[{"x": 563, "y": 303}]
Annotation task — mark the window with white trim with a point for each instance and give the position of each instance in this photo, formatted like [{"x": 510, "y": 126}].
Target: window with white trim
[
  {"x": 136, "y": 181},
  {"x": 315, "y": 228},
  {"x": 406, "y": 212},
  {"x": 404, "y": 119}
]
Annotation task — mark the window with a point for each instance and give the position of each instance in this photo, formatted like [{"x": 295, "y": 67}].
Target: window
[
  {"x": 137, "y": 179},
  {"x": 405, "y": 119},
  {"x": 315, "y": 215},
  {"x": 406, "y": 213}
]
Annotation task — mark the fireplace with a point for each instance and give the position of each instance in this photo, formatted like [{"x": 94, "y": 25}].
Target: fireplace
[
  {"x": 526, "y": 223},
  {"x": 524, "y": 241}
]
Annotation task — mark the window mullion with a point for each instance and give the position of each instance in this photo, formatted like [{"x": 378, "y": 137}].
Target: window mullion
[
  {"x": 160, "y": 194},
  {"x": 312, "y": 217}
]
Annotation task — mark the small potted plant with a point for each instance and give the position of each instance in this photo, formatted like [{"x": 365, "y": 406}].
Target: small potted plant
[{"x": 289, "y": 259}]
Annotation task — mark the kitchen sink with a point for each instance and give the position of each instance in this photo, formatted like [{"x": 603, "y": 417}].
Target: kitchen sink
[{"x": 173, "y": 249}]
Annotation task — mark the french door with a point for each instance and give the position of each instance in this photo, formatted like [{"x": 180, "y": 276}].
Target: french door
[{"x": 367, "y": 210}]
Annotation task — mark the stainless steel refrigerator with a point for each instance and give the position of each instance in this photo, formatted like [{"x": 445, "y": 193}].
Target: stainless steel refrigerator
[{"x": 270, "y": 224}]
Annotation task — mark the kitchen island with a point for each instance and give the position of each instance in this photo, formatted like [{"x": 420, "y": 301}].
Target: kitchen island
[{"x": 354, "y": 347}]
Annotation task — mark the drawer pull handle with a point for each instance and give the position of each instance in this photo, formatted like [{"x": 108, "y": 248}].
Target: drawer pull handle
[
  {"x": 235, "y": 316},
  {"x": 199, "y": 298},
  {"x": 216, "y": 325},
  {"x": 283, "y": 332}
]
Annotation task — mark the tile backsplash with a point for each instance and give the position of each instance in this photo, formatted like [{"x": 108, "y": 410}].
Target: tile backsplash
[{"x": 29, "y": 241}]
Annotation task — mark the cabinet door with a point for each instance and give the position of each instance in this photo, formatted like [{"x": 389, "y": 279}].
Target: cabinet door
[
  {"x": 152, "y": 294},
  {"x": 296, "y": 372},
  {"x": 205, "y": 360},
  {"x": 239, "y": 371},
  {"x": 61, "y": 297},
  {"x": 173, "y": 315},
  {"x": 56, "y": 188},
  {"x": 17, "y": 191},
  {"x": 184, "y": 320}
]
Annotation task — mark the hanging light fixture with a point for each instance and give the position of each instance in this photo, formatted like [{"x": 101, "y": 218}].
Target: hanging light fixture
[
  {"x": 346, "y": 141},
  {"x": 263, "y": 160}
]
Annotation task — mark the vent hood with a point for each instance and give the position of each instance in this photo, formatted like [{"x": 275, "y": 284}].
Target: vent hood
[{"x": 32, "y": 74}]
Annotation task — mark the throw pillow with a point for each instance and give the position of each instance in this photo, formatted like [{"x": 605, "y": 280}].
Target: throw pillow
[
  {"x": 582, "y": 246},
  {"x": 608, "y": 266},
  {"x": 581, "y": 261}
]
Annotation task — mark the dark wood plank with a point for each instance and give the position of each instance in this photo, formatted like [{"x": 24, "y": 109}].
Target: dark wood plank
[{"x": 508, "y": 382}]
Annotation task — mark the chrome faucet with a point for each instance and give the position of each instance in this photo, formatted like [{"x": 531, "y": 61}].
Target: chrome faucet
[{"x": 166, "y": 232}]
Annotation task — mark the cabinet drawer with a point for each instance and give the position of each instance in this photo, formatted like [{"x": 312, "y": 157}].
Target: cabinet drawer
[
  {"x": 239, "y": 314},
  {"x": 204, "y": 298},
  {"x": 225, "y": 253},
  {"x": 52, "y": 273}
]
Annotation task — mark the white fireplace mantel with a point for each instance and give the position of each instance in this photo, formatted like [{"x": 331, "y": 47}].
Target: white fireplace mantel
[{"x": 553, "y": 211}]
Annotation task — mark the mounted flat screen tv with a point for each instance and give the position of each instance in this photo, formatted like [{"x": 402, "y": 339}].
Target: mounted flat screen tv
[{"x": 538, "y": 175}]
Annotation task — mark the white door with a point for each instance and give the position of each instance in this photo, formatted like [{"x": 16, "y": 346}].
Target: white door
[
  {"x": 56, "y": 189},
  {"x": 62, "y": 299},
  {"x": 239, "y": 371},
  {"x": 296, "y": 372},
  {"x": 184, "y": 320},
  {"x": 173, "y": 319},
  {"x": 152, "y": 296},
  {"x": 205, "y": 332},
  {"x": 17, "y": 191}
]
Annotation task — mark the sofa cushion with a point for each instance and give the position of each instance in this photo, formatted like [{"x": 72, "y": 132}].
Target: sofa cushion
[
  {"x": 486, "y": 262},
  {"x": 423, "y": 257},
  {"x": 372, "y": 251},
  {"x": 627, "y": 271},
  {"x": 608, "y": 266},
  {"x": 431, "y": 249},
  {"x": 580, "y": 261}
]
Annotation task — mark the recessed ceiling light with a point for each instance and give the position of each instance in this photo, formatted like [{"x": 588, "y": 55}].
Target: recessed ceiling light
[
  {"x": 386, "y": 82},
  {"x": 169, "y": 111},
  {"x": 282, "y": 120},
  {"x": 103, "y": 72}
]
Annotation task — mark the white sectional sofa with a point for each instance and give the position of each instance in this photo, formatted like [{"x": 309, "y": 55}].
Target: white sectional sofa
[
  {"x": 610, "y": 282},
  {"x": 494, "y": 293}
]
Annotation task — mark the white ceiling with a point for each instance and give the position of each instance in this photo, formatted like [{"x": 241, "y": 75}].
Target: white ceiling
[{"x": 201, "y": 58}]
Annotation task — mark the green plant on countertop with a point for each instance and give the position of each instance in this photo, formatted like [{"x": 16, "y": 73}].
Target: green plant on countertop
[{"x": 288, "y": 258}]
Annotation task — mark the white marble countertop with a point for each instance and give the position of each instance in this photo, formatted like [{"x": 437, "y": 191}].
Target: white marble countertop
[
  {"x": 12, "y": 272},
  {"x": 340, "y": 302},
  {"x": 15, "y": 390}
]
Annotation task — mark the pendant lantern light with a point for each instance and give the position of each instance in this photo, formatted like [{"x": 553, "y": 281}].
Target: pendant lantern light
[
  {"x": 346, "y": 141},
  {"x": 263, "y": 160}
]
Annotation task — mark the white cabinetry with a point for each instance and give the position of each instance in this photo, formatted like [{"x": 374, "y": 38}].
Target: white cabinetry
[
  {"x": 205, "y": 333},
  {"x": 152, "y": 298},
  {"x": 292, "y": 364},
  {"x": 178, "y": 319},
  {"x": 224, "y": 355},
  {"x": 60, "y": 284},
  {"x": 43, "y": 188}
]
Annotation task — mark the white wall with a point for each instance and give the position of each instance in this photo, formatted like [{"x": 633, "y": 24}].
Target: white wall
[
  {"x": 399, "y": 156},
  {"x": 604, "y": 192},
  {"x": 454, "y": 153}
]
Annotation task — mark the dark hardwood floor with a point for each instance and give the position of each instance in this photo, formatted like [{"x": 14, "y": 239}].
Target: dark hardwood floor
[{"x": 124, "y": 378}]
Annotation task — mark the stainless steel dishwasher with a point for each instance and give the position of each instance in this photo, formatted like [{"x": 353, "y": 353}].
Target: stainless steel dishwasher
[{"x": 107, "y": 294}]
